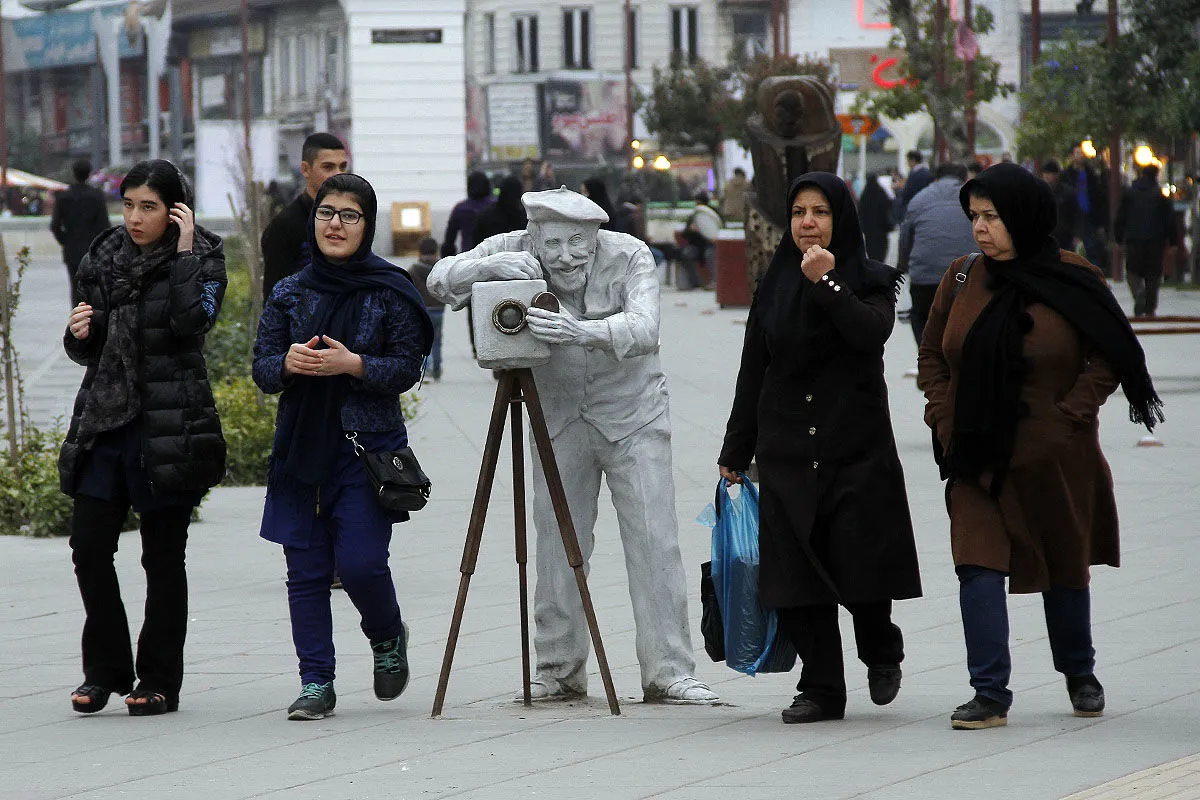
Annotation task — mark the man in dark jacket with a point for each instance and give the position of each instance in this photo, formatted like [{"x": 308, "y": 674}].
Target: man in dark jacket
[
  {"x": 285, "y": 241},
  {"x": 918, "y": 178},
  {"x": 1092, "y": 196},
  {"x": 933, "y": 234},
  {"x": 1066, "y": 232},
  {"x": 1145, "y": 228},
  {"x": 80, "y": 215}
]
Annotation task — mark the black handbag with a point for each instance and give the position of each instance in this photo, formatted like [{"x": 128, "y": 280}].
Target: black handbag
[
  {"x": 711, "y": 624},
  {"x": 395, "y": 477}
]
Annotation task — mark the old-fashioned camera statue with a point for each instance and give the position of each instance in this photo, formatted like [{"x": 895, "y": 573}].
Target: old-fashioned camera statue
[{"x": 499, "y": 313}]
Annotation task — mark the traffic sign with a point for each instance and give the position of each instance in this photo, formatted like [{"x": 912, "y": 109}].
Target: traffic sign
[{"x": 857, "y": 124}]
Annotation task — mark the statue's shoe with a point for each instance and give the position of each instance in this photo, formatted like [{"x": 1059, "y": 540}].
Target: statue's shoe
[
  {"x": 544, "y": 688},
  {"x": 685, "y": 691}
]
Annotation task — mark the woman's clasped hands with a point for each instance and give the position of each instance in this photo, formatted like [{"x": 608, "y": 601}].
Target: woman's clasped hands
[{"x": 336, "y": 359}]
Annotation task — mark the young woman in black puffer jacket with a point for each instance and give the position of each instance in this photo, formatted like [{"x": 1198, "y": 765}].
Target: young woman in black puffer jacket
[{"x": 144, "y": 432}]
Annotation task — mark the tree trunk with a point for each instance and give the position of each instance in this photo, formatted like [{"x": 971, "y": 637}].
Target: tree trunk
[{"x": 947, "y": 116}]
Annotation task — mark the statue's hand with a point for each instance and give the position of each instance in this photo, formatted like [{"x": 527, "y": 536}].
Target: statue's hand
[
  {"x": 517, "y": 266},
  {"x": 563, "y": 328}
]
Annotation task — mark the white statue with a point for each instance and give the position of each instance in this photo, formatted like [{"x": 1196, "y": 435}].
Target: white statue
[{"x": 605, "y": 399}]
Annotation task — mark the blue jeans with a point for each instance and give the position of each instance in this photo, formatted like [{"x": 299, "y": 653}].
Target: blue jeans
[
  {"x": 981, "y": 596},
  {"x": 352, "y": 532},
  {"x": 434, "y": 361}
]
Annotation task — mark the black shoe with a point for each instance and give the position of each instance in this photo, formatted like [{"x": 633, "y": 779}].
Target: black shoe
[
  {"x": 316, "y": 701},
  {"x": 981, "y": 712},
  {"x": 804, "y": 710},
  {"x": 883, "y": 683},
  {"x": 1087, "y": 696},
  {"x": 391, "y": 666}
]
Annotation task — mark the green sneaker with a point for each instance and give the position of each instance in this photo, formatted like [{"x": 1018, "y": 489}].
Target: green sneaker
[
  {"x": 316, "y": 701},
  {"x": 391, "y": 666}
]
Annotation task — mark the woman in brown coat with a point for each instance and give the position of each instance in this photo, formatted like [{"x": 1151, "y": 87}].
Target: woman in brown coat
[
  {"x": 811, "y": 405},
  {"x": 1023, "y": 346}
]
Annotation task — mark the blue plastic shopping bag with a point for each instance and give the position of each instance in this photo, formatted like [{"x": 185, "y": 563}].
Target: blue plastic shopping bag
[{"x": 752, "y": 640}]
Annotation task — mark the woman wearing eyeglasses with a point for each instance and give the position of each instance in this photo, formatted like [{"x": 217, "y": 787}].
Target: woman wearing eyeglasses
[{"x": 341, "y": 339}]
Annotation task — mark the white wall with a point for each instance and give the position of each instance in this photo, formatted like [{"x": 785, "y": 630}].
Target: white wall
[{"x": 408, "y": 103}]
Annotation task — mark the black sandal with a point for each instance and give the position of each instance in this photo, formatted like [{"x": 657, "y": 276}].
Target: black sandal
[
  {"x": 97, "y": 698},
  {"x": 153, "y": 705}
]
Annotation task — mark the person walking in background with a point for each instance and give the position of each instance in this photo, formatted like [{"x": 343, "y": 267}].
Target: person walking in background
[
  {"x": 460, "y": 228},
  {"x": 1015, "y": 363},
  {"x": 1066, "y": 230},
  {"x": 700, "y": 233},
  {"x": 1092, "y": 197},
  {"x": 528, "y": 175},
  {"x": 875, "y": 213},
  {"x": 285, "y": 240},
  {"x": 1145, "y": 230},
  {"x": 733, "y": 204},
  {"x": 544, "y": 182},
  {"x": 144, "y": 432},
  {"x": 933, "y": 235},
  {"x": 811, "y": 407},
  {"x": 80, "y": 215},
  {"x": 620, "y": 218},
  {"x": 341, "y": 340},
  {"x": 918, "y": 178},
  {"x": 427, "y": 256},
  {"x": 504, "y": 215}
]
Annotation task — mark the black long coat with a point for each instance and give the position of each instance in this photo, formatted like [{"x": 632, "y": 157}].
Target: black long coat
[{"x": 834, "y": 523}]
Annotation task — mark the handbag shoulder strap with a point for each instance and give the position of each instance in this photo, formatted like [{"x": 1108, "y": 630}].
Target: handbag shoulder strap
[{"x": 960, "y": 277}]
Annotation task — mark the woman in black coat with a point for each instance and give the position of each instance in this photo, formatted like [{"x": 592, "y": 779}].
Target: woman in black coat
[
  {"x": 811, "y": 405},
  {"x": 144, "y": 432},
  {"x": 875, "y": 215}
]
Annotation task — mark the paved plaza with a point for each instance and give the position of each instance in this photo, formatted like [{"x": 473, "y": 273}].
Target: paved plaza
[{"x": 230, "y": 738}]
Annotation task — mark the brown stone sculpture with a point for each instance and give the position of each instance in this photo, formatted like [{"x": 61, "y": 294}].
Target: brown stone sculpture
[{"x": 794, "y": 131}]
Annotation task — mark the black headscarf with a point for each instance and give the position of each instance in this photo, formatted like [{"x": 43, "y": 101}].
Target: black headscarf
[
  {"x": 794, "y": 321},
  {"x": 987, "y": 404},
  {"x": 307, "y": 433}
]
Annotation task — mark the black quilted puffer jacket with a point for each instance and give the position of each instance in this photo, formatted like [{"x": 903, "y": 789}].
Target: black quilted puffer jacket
[{"x": 182, "y": 445}]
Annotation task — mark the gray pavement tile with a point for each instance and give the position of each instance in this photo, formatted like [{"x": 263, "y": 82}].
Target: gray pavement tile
[{"x": 230, "y": 738}]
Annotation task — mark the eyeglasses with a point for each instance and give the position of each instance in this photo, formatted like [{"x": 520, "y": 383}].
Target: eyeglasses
[{"x": 348, "y": 216}]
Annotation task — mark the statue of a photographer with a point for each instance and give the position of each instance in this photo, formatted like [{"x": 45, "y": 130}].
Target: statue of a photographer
[{"x": 605, "y": 400}]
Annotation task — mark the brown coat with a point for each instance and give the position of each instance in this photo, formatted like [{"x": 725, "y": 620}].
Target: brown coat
[{"x": 1056, "y": 514}]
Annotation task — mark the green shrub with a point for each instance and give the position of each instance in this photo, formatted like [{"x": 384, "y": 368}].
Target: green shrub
[
  {"x": 30, "y": 502},
  {"x": 248, "y": 420}
]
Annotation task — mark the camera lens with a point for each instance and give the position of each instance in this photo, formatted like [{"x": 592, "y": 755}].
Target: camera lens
[{"x": 508, "y": 316}]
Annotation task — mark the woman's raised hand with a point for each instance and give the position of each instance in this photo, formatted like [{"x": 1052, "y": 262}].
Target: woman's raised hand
[
  {"x": 80, "y": 321},
  {"x": 816, "y": 262},
  {"x": 183, "y": 217}
]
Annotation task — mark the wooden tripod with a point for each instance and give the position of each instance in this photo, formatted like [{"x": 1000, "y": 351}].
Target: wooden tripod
[{"x": 514, "y": 388}]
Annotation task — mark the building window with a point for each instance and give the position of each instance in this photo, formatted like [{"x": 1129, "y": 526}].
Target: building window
[
  {"x": 750, "y": 33},
  {"x": 577, "y": 34},
  {"x": 285, "y": 68},
  {"x": 684, "y": 41},
  {"x": 633, "y": 49},
  {"x": 525, "y": 26},
  {"x": 333, "y": 58},
  {"x": 489, "y": 43},
  {"x": 302, "y": 66}
]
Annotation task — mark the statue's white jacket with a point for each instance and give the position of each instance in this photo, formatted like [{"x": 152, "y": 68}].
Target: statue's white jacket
[{"x": 618, "y": 386}]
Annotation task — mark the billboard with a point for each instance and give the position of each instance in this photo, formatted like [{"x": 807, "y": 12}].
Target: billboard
[
  {"x": 584, "y": 119},
  {"x": 61, "y": 39}
]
